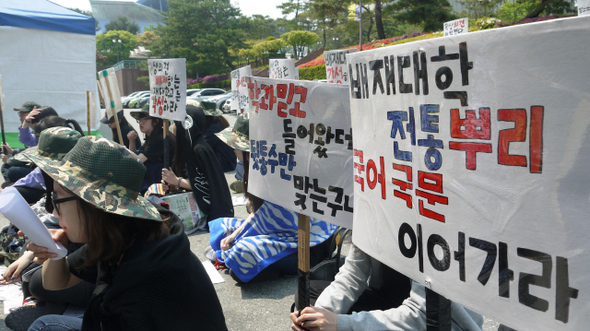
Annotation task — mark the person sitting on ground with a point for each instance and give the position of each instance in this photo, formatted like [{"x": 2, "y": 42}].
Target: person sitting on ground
[
  {"x": 54, "y": 143},
  {"x": 347, "y": 303},
  {"x": 123, "y": 125},
  {"x": 32, "y": 186},
  {"x": 200, "y": 169},
  {"x": 151, "y": 153},
  {"x": 242, "y": 244},
  {"x": 23, "y": 112},
  {"x": 147, "y": 278},
  {"x": 25, "y": 135},
  {"x": 215, "y": 122}
]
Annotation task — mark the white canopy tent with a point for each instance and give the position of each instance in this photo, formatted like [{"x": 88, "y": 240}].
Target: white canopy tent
[{"x": 47, "y": 55}]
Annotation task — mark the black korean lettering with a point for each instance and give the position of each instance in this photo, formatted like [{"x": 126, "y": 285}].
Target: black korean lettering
[
  {"x": 488, "y": 265},
  {"x": 465, "y": 64},
  {"x": 461, "y": 95},
  {"x": 525, "y": 280},
  {"x": 376, "y": 66},
  {"x": 447, "y": 73},
  {"x": 420, "y": 72},
  {"x": 460, "y": 256},
  {"x": 404, "y": 230},
  {"x": 563, "y": 291},
  {"x": 420, "y": 250},
  {"x": 439, "y": 264},
  {"x": 505, "y": 274},
  {"x": 389, "y": 74},
  {"x": 359, "y": 87},
  {"x": 403, "y": 62}
]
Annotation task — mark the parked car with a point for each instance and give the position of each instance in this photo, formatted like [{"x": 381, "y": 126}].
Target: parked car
[
  {"x": 206, "y": 93},
  {"x": 226, "y": 108},
  {"x": 143, "y": 101},
  {"x": 131, "y": 102},
  {"x": 192, "y": 91},
  {"x": 220, "y": 99}
]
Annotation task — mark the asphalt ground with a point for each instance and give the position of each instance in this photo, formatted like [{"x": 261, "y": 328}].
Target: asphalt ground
[{"x": 247, "y": 307}]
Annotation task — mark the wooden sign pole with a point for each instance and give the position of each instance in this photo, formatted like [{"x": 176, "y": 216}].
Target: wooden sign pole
[
  {"x": 303, "y": 262},
  {"x": 88, "y": 110},
  {"x": 112, "y": 106},
  {"x": 166, "y": 151}
]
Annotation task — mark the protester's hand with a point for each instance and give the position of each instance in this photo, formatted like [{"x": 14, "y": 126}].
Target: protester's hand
[
  {"x": 165, "y": 186},
  {"x": 13, "y": 272},
  {"x": 169, "y": 177},
  {"x": 30, "y": 117},
  {"x": 6, "y": 149},
  {"x": 5, "y": 158},
  {"x": 131, "y": 136},
  {"x": 314, "y": 318},
  {"x": 41, "y": 254},
  {"x": 226, "y": 242}
]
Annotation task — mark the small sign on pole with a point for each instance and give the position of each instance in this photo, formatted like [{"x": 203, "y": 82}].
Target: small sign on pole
[
  {"x": 111, "y": 95},
  {"x": 456, "y": 27},
  {"x": 336, "y": 66},
  {"x": 240, "y": 99},
  {"x": 168, "y": 88},
  {"x": 282, "y": 69}
]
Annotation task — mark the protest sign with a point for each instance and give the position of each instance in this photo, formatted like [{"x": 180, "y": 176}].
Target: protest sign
[
  {"x": 282, "y": 69},
  {"x": 471, "y": 171},
  {"x": 301, "y": 147},
  {"x": 239, "y": 88},
  {"x": 110, "y": 88},
  {"x": 583, "y": 7},
  {"x": 168, "y": 88},
  {"x": 186, "y": 208},
  {"x": 336, "y": 68},
  {"x": 456, "y": 27}
]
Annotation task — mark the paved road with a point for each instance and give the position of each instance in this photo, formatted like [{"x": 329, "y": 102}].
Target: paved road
[{"x": 248, "y": 307}]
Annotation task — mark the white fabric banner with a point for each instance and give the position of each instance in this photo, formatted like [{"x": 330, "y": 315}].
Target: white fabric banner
[
  {"x": 168, "y": 88},
  {"x": 336, "y": 66},
  {"x": 110, "y": 88},
  {"x": 299, "y": 133},
  {"x": 583, "y": 7},
  {"x": 239, "y": 88},
  {"x": 49, "y": 67},
  {"x": 282, "y": 69},
  {"x": 471, "y": 168}
]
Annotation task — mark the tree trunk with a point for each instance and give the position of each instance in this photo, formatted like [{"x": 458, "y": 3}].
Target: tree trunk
[{"x": 378, "y": 20}]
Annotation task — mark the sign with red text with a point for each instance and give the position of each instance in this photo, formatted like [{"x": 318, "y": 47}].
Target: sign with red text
[
  {"x": 456, "y": 27},
  {"x": 301, "y": 147},
  {"x": 336, "y": 67},
  {"x": 168, "y": 88},
  {"x": 471, "y": 168},
  {"x": 239, "y": 88},
  {"x": 282, "y": 69}
]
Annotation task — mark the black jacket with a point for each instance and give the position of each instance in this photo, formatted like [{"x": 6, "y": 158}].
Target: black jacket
[
  {"x": 205, "y": 174},
  {"x": 159, "y": 285}
]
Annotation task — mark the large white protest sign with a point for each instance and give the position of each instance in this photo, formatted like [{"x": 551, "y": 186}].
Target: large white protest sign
[
  {"x": 110, "y": 90},
  {"x": 583, "y": 7},
  {"x": 301, "y": 147},
  {"x": 471, "y": 168},
  {"x": 336, "y": 68},
  {"x": 239, "y": 88},
  {"x": 168, "y": 88},
  {"x": 282, "y": 69},
  {"x": 456, "y": 27}
]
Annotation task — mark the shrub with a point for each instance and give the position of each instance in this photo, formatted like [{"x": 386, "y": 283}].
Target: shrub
[{"x": 311, "y": 73}]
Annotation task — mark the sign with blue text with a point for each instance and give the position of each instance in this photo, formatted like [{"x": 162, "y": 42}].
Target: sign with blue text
[
  {"x": 301, "y": 147},
  {"x": 471, "y": 168}
]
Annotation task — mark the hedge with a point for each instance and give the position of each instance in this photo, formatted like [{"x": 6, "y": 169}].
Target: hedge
[
  {"x": 224, "y": 84},
  {"x": 311, "y": 73}
]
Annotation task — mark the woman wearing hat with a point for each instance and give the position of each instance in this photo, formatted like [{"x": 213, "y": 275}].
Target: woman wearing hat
[
  {"x": 214, "y": 123},
  {"x": 146, "y": 276},
  {"x": 151, "y": 153},
  {"x": 242, "y": 244},
  {"x": 123, "y": 125},
  {"x": 201, "y": 171}
]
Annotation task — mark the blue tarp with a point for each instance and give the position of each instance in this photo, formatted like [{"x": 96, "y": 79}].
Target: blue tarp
[{"x": 45, "y": 15}]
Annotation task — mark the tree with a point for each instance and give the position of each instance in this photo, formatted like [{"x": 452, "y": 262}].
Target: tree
[
  {"x": 202, "y": 32},
  {"x": 328, "y": 13},
  {"x": 430, "y": 14},
  {"x": 480, "y": 8},
  {"x": 519, "y": 9},
  {"x": 299, "y": 39},
  {"x": 105, "y": 45},
  {"x": 379, "y": 20},
  {"x": 122, "y": 23}
]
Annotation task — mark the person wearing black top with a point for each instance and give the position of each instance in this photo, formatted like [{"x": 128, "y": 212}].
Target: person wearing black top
[{"x": 123, "y": 125}]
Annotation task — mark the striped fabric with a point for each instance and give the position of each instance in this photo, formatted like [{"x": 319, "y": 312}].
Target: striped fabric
[{"x": 270, "y": 236}]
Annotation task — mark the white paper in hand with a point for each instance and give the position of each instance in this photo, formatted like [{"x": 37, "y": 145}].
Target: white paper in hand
[{"x": 14, "y": 207}]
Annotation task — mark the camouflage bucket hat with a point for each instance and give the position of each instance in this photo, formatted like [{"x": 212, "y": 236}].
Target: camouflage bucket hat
[
  {"x": 54, "y": 144},
  {"x": 27, "y": 107},
  {"x": 209, "y": 107},
  {"x": 139, "y": 114},
  {"x": 103, "y": 174},
  {"x": 237, "y": 137}
]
